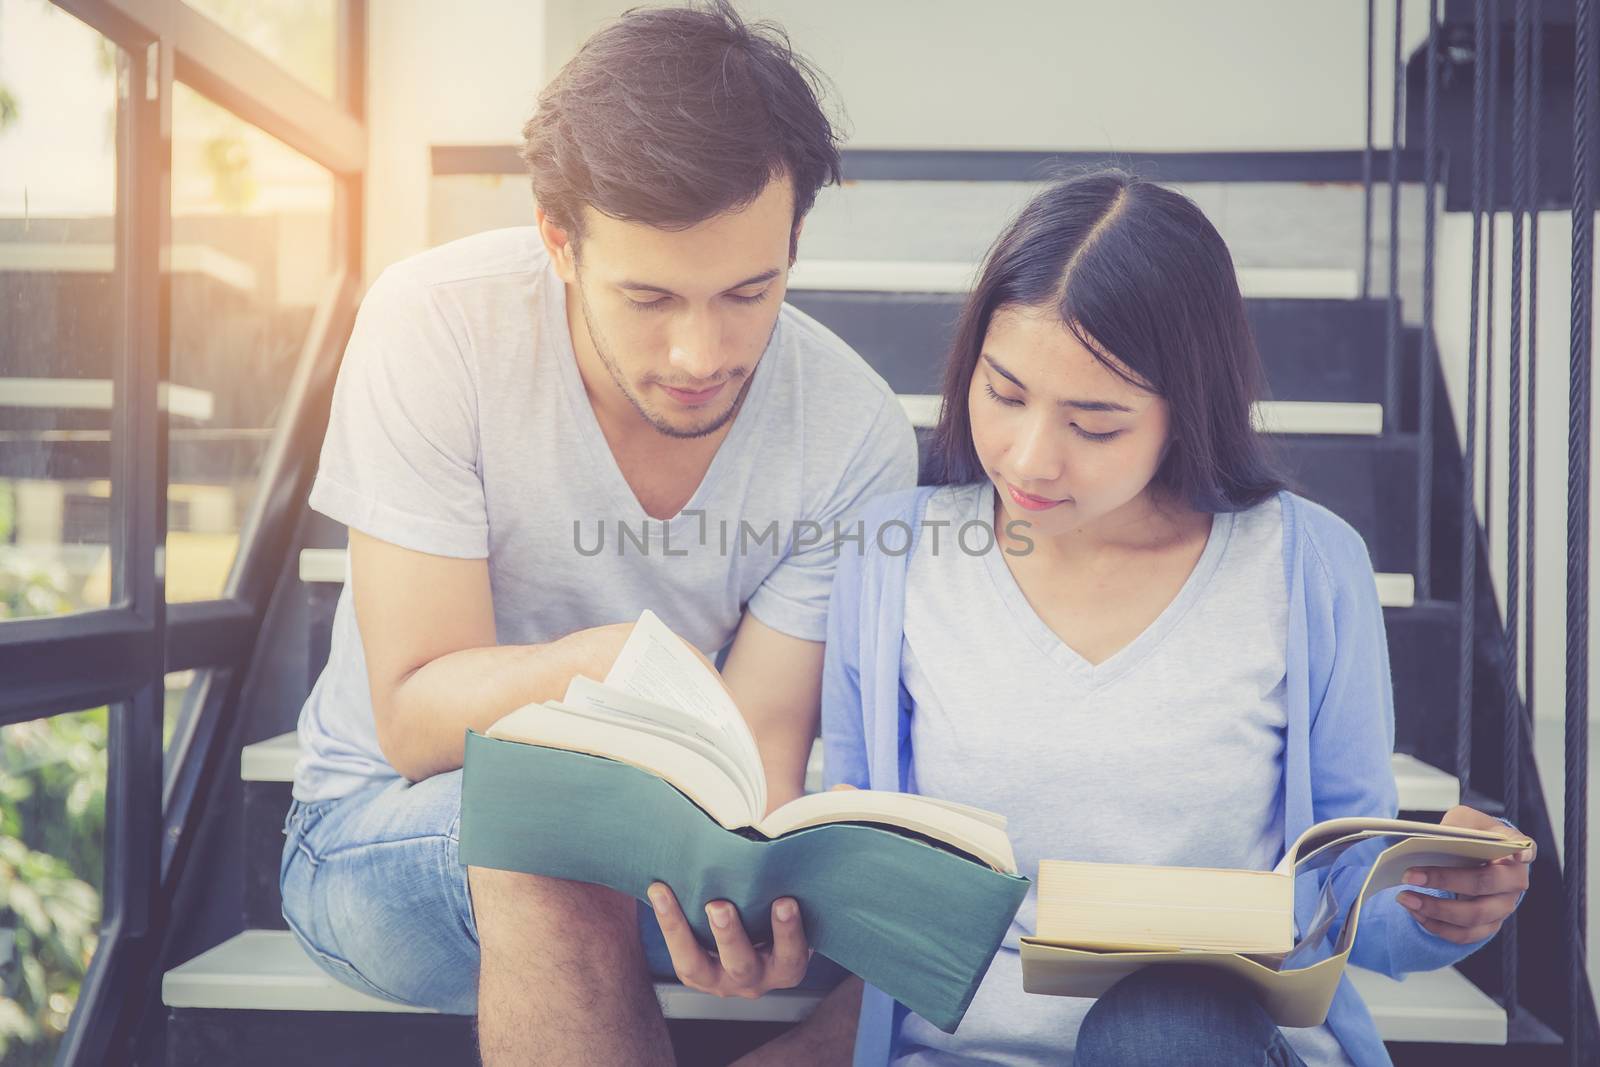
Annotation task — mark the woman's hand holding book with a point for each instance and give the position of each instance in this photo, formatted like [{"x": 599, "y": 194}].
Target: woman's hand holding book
[{"x": 1485, "y": 895}]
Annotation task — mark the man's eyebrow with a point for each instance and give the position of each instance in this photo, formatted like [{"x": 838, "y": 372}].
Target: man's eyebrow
[
  {"x": 643, "y": 287},
  {"x": 646, "y": 287},
  {"x": 755, "y": 279},
  {"x": 1080, "y": 405}
]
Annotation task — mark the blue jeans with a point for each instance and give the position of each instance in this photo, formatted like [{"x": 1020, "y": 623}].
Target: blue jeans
[
  {"x": 374, "y": 890},
  {"x": 1170, "y": 1015}
]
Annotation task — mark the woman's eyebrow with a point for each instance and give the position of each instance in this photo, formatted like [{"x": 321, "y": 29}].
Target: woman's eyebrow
[
  {"x": 1080, "y": 405},
  {"x": 1007, "y": 375},
  {"x": 1096, "y": 405}
]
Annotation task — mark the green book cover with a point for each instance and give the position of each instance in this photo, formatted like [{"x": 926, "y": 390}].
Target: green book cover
[{"x": 916, "y": 920}]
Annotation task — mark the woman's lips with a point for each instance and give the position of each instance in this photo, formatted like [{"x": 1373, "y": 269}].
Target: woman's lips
[
  {"x": 1031, "y": 502},
  {"x": 694, "y": 398}
]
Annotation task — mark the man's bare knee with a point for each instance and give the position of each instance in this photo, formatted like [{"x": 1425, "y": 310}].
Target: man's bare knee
[
  {"x": 576, "y": 948},
  {"x": 556, "y": 907}
]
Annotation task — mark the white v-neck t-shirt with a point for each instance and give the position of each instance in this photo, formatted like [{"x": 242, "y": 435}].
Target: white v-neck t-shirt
[
  {"x": 1168, "y": 752},
  {"x": 460, "y": 427}
]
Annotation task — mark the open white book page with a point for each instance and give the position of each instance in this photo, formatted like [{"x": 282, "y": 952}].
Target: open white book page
[
  {"x": 585, "y": 696},
  {"x": 1340, "y": 833},
  {"x": 658, "y": 666},
  {"x": 992, "y": 818},
  {"x": 982, "y": 835},
  {"x": 1419, "y": 845},
  {"x": 688, "y": 763}
]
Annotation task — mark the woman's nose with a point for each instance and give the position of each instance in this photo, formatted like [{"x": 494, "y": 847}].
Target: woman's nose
[{"x": 1036, "y": 455}]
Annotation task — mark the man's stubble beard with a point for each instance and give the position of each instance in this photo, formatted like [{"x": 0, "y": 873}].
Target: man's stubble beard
[{"x": 661, "y": 426}]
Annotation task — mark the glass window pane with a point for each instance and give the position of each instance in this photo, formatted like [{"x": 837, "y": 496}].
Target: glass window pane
[
  {"x": 59, "y": 309},
  {"x": 52, "y": 841},
  {"x": 298, "y": 34},
  {"x": 252, "y": 253},
  {"x": 176, "y": 687},
  {"x": 184, "y": 691}
]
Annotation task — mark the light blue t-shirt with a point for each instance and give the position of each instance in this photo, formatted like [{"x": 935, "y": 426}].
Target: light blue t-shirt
[
  {"x": 460, "y": 427},
  {"x": 1168, "y": 752},
  {"x": 1338, "y": 737}
]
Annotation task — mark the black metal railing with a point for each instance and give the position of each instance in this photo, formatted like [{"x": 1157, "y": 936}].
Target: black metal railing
[
  {"x": 1507, "y": 520},
  {"x": 1585, "y": 84},
  {"x": 1511, "y": 726},
  {"x": 1425, "y": 378},
  {"x": 1391, "y": 360}
]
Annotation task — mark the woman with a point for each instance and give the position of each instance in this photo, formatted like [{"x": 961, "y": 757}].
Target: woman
[{"x": 1115, "y": 628}]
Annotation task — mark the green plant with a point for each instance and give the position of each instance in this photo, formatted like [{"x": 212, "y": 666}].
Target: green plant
[
  {"x": 52, "y": 840},
  {"x": 8, "y": 108}
]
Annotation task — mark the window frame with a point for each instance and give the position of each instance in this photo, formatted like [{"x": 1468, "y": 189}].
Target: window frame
[{"x": 119, "y": 655}]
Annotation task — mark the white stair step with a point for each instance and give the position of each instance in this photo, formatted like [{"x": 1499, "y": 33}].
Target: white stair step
[
  {"x": 94, "y": 394},
  {"x": 882, "y": 276},
  {"x": 922, "y": 409},
  {"x": 266, "y": 970},
  {"x": 1396, "y": 590},
  {"x": 1271, "y": 416},
  {"x": 324, "y": 565},
  {"x": 271, "y": 760},
  {"x": 1434, "y": 1006},
  {"x": 1319, "y": 417},
  {"x": 905, "y": 276},
  {"x": 1422, "y": 787},
  {"x": 814, "y": 768}
]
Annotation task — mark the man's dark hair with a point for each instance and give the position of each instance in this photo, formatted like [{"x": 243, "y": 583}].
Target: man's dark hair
[
  {"x": 1135, "y": 271},
  {"x": 670, "y": 116}
]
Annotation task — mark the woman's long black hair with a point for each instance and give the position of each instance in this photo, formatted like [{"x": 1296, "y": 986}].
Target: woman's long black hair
[{"x": 1138, "y": 273}]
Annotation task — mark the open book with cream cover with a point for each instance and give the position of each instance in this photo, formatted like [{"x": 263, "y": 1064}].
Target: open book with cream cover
[
  {"x": 1100, "y": 922},
  {"x": 653, "y": 775}
]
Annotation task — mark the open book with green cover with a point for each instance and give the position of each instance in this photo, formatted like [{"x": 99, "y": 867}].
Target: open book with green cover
[
  {"x": 653, "y": 775},
  {"x": 1100, "y": 922}
]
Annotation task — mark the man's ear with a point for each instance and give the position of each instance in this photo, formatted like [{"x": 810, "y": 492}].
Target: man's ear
[{"x": 563, "y": 250}]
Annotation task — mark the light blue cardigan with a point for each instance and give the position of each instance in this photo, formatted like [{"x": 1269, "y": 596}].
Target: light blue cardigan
[{"x": 1340, "y": 733}]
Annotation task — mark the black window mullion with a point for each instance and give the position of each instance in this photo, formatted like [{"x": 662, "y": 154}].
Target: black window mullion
[
  {"x": 255, "y": 88},
  {"x": 119, "y": 656},
  {"x": 267, "y": 534},
  {"x": 64, "y": 663},
  {"x": 139, "y": 490},
  {"x": 210, "y": 633}
]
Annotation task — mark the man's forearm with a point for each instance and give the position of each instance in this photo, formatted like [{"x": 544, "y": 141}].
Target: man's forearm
[
  {"x": 424, "y": 730},
  {"x": 784, "y": 755}
]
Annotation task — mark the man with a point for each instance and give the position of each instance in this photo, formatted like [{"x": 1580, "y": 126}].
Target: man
[{"x": 624, "y": 370}]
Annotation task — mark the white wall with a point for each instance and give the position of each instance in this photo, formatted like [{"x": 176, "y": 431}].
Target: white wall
[
  {"x": 1043, "y": 74},
  {"x": 462, "y": 73},
  {"x": 1081, "y": 74}
]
